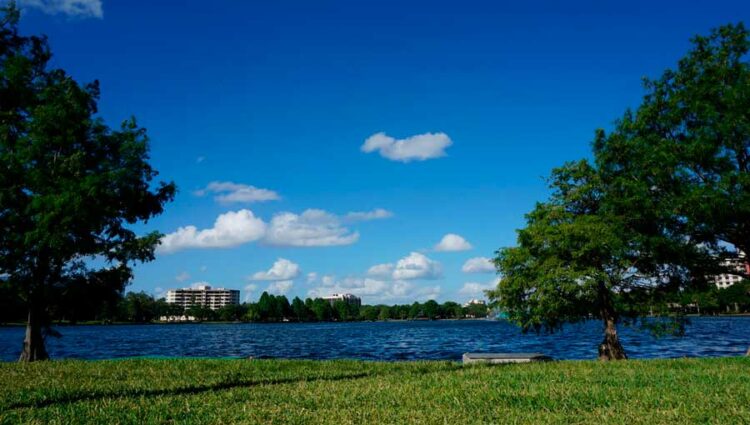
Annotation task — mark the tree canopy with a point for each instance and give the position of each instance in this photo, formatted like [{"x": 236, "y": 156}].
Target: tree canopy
[
  {"x": 571, "y": 258},
  {"x": 679, "y": 165},
  {"x": 657, "y": 211},
  {"x": 70, "y": 188}
]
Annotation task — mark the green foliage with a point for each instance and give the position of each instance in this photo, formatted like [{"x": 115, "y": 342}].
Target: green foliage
[
  {"x": 139, "y": 307},
  {"x": 71, "y": 187},
  {"x": 232, "y": 313},
  {"x": 273, "y": 308},
  {"x": 736, "y": 298},
  {"x": 415, "y": 311},
  {"x": 200, "y": 391},
  {"x": 385, "y": 313},
  {"x": 571, "y": 256},
  {"x": 369, "y": 313},
  {"x": 679, "y": 166},
  {"x": 142, "y": 307},
  {"x": 670, "y": 187},
  {"x": 301, "y": 311},
  {"x": 431, "y": 309},
  {"x": 201, "y": 313},
  {"x": 452, "y": 310},
  {"x": 475, "y": 311}
]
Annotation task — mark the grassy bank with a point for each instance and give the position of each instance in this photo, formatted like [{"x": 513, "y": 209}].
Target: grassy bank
[{"x": 275, "y": 391}]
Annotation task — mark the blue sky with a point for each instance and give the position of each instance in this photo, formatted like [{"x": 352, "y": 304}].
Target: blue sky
[{"x": 263, "y": 113}]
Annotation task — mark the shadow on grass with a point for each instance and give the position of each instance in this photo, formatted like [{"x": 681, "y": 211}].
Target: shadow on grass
[{"x": 219, "y": 386}]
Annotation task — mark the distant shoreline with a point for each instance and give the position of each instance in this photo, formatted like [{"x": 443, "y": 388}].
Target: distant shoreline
[{"x": 219, "y": 322}]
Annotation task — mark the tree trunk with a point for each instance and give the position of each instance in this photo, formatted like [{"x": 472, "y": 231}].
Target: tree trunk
[
  {"x": 33, "y": 343},
  {"x": 610, "y": 348}
]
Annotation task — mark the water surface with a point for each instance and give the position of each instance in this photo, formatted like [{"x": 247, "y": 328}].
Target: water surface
[{"x": 409, "y": 340}]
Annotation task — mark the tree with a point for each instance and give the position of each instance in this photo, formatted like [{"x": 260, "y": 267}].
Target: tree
[
  {"x": 476, "y": 311},
  {"x": 282, "y": 309},
  {"x": 669, "y": 190},
  {"x": 300, "y": 310},
  {"x": 450, "y": 309},
  {"x": 231, "y": 313},
  {"x": 70, "y": 186},
  {"x": 680, "y": 164},
  {"x": 252, "y": 314},
  {"x": 265, "y": 307},
  {"x": 201, "y": 312},
  {"x": 385, "y": 313},
  {"x": 139, "y": 307},
  {"x": 571, "y": 258},
  {"x": 431, "y": 309},
  {"x": 322, "y": 310},
  {"x": 369, "y": 313},
  {"x": 415, "y": 311},
  {"x": 341, "y": 310},
  {"x": 735, "y": 298},
  {"x": 401, "y": 312}
]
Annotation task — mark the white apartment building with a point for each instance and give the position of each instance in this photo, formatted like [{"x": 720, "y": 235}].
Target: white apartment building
[
  {"x": 204, "y": 295},
  {"x": 347, "y": 298},
  {"x": 726, "y": 280}
]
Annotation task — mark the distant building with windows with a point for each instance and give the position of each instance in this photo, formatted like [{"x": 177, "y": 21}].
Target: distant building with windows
[
  {"x": 739, "y": 264},
  {"x": 203, "y": 295},
  {"x": 347, "y": 298},
  {"x": 475, "y": 302}
]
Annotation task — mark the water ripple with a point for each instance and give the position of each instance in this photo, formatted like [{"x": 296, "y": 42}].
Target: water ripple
[{"x": 443, "y": 340}]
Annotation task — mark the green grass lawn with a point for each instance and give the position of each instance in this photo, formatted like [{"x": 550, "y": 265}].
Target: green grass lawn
[{"x": 341, "y": 392}]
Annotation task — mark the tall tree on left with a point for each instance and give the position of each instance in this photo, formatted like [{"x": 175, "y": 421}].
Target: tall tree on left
[{"x": 70, "y": 186}]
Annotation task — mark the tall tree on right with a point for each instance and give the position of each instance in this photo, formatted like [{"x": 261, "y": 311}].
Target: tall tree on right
[
  {"x": 679, "y": 165},
  {"x": 668, "y": 193},
  {"x": 572, "y": 259}
]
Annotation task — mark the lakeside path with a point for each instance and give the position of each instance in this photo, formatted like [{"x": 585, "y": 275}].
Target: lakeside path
[{"x": 340, "y": 392}]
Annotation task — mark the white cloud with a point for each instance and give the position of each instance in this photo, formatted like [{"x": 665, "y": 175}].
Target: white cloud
[
  {"x": 311, "y": 228},
  {"x": 280, "y": 287},
  {"x": 229, "y": 192},
  {"x": 415, "y": 148},
  {"x": 376, "y": 214},
  {"x": 453, "y": 242},
  {"x": 230, "y": 229},
  {"x": 282, "y": 269},
  {"x": 476, "y": 289},
  {"x": 416, "y": 266},
  {"x": 478, "y": 265},
  {"x": 182, "y": 277},
  {"x": 377, "y": 290},
  {"x": 196, "y": 285},
  {"x": 77, "y": 8},
  {"x": 380, "y": 270},
  {"x": 312, "y": 277}
]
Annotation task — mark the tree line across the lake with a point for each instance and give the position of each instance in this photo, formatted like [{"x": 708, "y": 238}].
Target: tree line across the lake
[{"x": 140, "y": 307}]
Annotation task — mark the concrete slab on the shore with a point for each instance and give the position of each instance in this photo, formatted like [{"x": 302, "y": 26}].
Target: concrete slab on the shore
[{"x": 503, "y": 358}]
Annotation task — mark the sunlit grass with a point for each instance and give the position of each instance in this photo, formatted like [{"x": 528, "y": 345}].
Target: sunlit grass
[{"x": 277, "y": 391}]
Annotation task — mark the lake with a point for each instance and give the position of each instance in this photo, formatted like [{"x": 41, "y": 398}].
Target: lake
[{"x": 410, "y": 340}]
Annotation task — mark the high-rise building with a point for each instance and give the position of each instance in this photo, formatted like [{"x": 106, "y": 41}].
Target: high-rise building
[
  {"x": 203, "y": 295},
  {"x": 739, "y": 264},
  {"x": 347, "y": 298}
]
